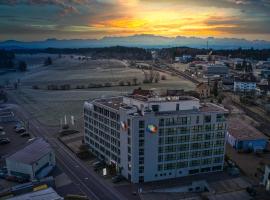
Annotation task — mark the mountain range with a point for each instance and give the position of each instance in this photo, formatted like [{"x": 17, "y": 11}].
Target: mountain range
[{"x": 143, "y": 41}]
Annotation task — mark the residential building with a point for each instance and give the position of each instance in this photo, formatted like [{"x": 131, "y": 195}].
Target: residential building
[
  {"x": 244, "y": 83},
  {"x": 203, "y": 89},
  {"x": 35, "y": 160},
  {"x": 151, "y": 137},
  {"x": 244, "y": 137}
]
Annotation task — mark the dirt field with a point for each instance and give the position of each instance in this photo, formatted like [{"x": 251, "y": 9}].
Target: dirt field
[{"x": 50, "y": 107}]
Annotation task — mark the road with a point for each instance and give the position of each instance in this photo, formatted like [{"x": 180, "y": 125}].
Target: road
[{"x": 84, "y": 177}]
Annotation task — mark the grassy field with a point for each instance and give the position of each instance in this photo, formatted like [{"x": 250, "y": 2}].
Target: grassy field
[{"x": 51, "y": 106}]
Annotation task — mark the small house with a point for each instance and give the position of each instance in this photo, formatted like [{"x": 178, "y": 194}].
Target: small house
[{"x": 203, "y": 89}]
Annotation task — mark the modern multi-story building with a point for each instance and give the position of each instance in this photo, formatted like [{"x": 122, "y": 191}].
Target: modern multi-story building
[{"x": 151, "y": 137}]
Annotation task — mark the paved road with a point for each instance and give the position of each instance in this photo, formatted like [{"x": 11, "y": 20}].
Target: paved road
[{"x": 85, "y": 178}]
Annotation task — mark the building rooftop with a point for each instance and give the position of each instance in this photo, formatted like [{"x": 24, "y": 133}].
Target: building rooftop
[
  {"x": 114, "y": 102},
  {"x": 46, "y": 194},
  {"x": 243, "y": 131},
  {"x": 246, "y": 78},
  {"x": 32, "y": 152},
  {"x": 210, "y": 107}
]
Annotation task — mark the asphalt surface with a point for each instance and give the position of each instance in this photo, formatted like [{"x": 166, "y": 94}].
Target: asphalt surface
[{"x": 85, "y": 178}]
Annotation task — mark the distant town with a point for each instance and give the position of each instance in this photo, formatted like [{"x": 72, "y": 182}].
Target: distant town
[{"x": 132, "y": 123}]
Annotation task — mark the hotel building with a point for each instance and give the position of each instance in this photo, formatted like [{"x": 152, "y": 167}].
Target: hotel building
[{"x": 152, "y": 137}]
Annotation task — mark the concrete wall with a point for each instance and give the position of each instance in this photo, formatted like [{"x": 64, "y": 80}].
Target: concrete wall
[
  {"x": 13, "y": 166},
  {"x": 47, "y": 159}
]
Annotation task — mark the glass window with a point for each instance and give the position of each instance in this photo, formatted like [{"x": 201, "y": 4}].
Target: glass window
[
  {"x": 141, "y": 124},
  {"x": 207, "y": 119}
]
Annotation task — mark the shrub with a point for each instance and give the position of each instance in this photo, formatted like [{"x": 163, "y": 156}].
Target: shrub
[{"x": 163, "y": 77}]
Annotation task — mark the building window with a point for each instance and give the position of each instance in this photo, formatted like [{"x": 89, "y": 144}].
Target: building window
[
  {"x": 197, "y": 119},
  {"x": 141, "y": 152},
  {"x": 141, "y": 179},
  {"x": 141, "y": 143},
  {"x": 155, "y": 108},
  {"x": 141, "y": 124},
  {"x": 161, "y": 122},
  {"x": 141, "y": 160},
  {"x": 207, "y": 119},
  {"x": 177, "y": 106},
  {"x": 141, "y": 169}
]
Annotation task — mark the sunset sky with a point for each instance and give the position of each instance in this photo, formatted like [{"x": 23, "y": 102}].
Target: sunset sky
[{"x": 29, "y": 20}]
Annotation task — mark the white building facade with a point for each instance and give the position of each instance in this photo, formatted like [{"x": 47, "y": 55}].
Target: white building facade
[
  {"x": 242, "y": 86},
  {"x": 155, "y": 138}
]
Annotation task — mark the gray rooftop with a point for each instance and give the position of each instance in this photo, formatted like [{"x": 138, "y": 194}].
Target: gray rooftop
[
  {"x": 47, "y": 194},
  {"x": 32, "y": 152}
]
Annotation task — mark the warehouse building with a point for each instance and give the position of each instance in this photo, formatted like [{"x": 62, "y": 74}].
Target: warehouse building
[
  {"x": 244, "y": 137},
  {"x": 216, "y": 69},
  {"x": 152, "y": 137},
  {"x": 35, "y": 160}
]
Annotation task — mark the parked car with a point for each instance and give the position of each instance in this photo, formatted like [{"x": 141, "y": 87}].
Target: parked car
[
  {"x": 1, "y": 128},
  {"x": 3, "y": 175},
  {"x": 25, "y": 134},
  {"x": 117, "y": 179},
  {"x": 99, "y": 164},
  {"x": 18, "y": 125},
  {"x": 4, "y": 141},
  {"x": 20, "y": 130},
  {"x": 2, "y": 133}
]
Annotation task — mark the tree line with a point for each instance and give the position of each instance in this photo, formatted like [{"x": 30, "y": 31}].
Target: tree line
[{"x": 256, "y": 54}]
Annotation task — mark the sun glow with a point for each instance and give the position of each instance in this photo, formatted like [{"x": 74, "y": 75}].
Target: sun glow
[{"x": 168, "y": 20}]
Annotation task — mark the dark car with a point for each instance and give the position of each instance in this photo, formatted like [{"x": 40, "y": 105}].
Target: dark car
[
  {"x": 4, "y": 141},
  {"x": 18, "y": 125},
  {"x": 117, "y": 179},
  {"x": 1, "y": 128},
  {"x": 25, "y": 134},
  {"x": 20, "y": 130},
  {"x": 98, "y": 165}
]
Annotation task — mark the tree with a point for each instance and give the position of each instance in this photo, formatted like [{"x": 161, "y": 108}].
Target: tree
[
  {"x": 22, "y": 66},
  {"x": 135, "y": 81},
  {"x": 215, "y": 89},
  {"x": 157, "y": 77},
  {"x": 48, "y": 61}
]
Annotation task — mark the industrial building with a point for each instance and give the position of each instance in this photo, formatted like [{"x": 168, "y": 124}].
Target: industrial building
[
  {"x": 48, "y": 194},
  {"x": 35, "y": 160},
  {"x": 244, "y": 137},
  {"x": 151, "y": 137},
  {"x": 215, "y": 69}
]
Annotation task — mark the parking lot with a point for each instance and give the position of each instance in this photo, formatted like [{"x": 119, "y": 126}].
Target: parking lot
[{"x": 16, "y": 140}]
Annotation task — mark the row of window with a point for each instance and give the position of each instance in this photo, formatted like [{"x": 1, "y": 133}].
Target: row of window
[
  {"x": 106, "y": 113},
  {"x": 187, "y": 120},
  {"x": 192, "y": 163},
  {"x": 191, "y": 146},
  {"x": 190, "y": 155},
  {"x": 192, "y": 138}
]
